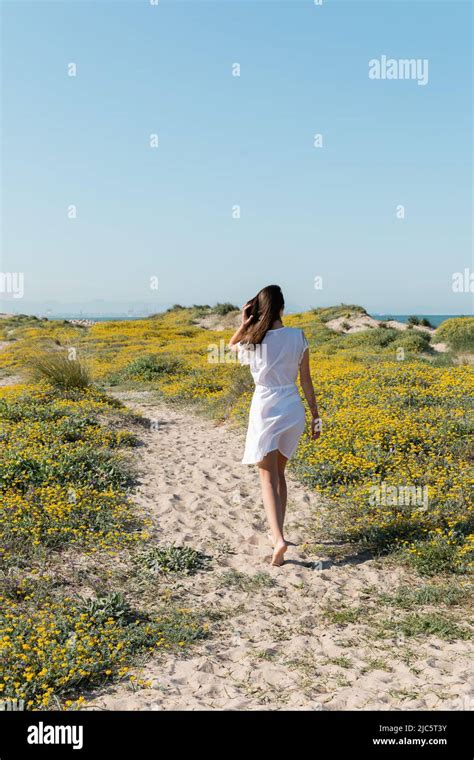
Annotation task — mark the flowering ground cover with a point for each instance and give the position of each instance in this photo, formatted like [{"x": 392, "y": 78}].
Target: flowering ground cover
[{"x": 393, "y": 467}]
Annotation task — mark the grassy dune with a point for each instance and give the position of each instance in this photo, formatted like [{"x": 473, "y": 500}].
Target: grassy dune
[{"x": 396, "y": 416}]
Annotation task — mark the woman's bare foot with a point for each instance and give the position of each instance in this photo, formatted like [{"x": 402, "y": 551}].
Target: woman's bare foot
[{"x": 278, "y": 553}]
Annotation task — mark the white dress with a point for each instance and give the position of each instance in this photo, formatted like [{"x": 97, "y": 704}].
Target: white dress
[{"x": 277, "y": 416}]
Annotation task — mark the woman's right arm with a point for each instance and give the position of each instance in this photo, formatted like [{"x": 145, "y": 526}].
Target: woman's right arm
[
  {"x": 239, "y": 333},
  {"x": 308, "y": 390}
]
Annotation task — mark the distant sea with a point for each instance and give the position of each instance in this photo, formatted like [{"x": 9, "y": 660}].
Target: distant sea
[{"x": 434, "y": 319}]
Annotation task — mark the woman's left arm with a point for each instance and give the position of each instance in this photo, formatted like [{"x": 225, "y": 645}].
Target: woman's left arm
[{"x": 308, "y": 390}]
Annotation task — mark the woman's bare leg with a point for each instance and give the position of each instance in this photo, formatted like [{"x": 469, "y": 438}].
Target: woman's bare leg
[
  {"x": 282, "y": 490},
  {"x": 269, "y": 479}
]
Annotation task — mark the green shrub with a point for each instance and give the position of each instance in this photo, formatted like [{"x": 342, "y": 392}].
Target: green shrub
[
  {"x": 224, "y": 308},
  {"x": 378, "y": 337},
  {"x": 445, "y": 359},
  {"x": 59, "y": 371},
  {"x": 457, "y": 332},
  {"x": 415, "y": 342},
  {"x": 174, "y": 559},
  {"x": 112, "y": 605},
  {"x": 440, "y": 554},
  {"x": 83, "y": 464},
  {"x": 326, "y": 314},
  {"x": 147, "y": 368}
]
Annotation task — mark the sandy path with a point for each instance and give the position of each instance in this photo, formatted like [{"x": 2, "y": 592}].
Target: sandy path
[{"x": 275, "y": 649}]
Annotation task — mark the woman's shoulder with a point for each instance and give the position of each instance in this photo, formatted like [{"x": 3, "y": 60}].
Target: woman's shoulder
[
  {"x": 293, "y": 335},
  {"x": 289, "y": 332},
  {"x": 295, "y": 330}
]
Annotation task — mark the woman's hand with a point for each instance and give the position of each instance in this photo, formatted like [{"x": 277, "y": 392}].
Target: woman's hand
[
  {"x": 246, "y": 318},
  {"x": 316, "y": 427}
]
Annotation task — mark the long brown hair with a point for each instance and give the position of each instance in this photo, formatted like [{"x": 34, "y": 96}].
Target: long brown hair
[{"x": 265, "y": 309}]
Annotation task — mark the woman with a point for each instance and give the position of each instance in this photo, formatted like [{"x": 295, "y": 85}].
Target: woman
[{"x": 277, "y": 416}]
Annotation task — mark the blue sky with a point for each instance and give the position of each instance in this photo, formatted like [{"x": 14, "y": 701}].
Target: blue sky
[{"x": 246, "y": 141}]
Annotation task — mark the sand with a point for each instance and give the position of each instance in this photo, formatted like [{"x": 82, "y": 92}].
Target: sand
[
  {"x": 218, "y": 323},
  {"x": 360, "y": 322},
  {"x": 275, "y": 649}
]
